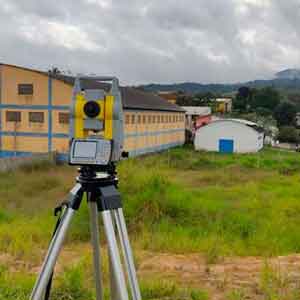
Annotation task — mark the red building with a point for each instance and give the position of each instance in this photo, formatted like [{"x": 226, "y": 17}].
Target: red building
[{"x": 202, "y": 120}]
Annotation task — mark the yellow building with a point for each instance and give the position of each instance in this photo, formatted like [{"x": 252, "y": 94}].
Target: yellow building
[
  {"x": 169, "y": 96},
  {"x": 35, "y": 115},
  {"x": 223, "y": 105}
]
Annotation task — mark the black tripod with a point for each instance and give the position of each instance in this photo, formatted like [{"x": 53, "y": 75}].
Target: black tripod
[{"x": 100, "y": 186}]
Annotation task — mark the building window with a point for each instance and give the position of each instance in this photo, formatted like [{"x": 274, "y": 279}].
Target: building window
[
  {"x": 153, "y": 119},
  {"x": 127, "y": 119},
  {"x": 139, "y": 119},
  {"x": 144, "y": 119},
  {"x": 174, "y": 118},
  {"x": 25, "y": 89},
  {"x": 149, "y": 119},
  {"x": 36, "y": 117},
  {"x": 132, "y": 119},
  {"x": 63, "y": 118},
  {"x": 13, "y": 116}
]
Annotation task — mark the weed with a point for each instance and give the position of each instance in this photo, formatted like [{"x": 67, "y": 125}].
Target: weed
[
  {"x": 237, "y": 294},
  {"x": 198, "y": 295},
  {"x": 158, "y": 289}
]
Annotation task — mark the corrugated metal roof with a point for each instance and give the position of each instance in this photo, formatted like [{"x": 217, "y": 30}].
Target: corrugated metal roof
[
  {"x": 132, "y": 98},
  {"x": 253, "y": 125},
  {"x": 197, "y": 110},
  {"x": 246, "y": 122}
]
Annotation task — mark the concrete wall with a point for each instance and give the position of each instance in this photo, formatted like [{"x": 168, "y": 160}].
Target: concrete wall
[
  {"x": 245, "y": 138},
  {"x": 149, "y": 130}
]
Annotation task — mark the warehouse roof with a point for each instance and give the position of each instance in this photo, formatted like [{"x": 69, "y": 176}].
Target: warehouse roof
[
  {"x": 197, "y": 110},
  {"x": 253, "y": 125},
  {"x": 132, "y": 98}
]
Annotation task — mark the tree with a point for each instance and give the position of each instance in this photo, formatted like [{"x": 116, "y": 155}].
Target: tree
[
  {"x": 55, "y": 71},
  {"x": 241, "y": 101},
  {"x": 285, "y": 114},
  {"x": 266, "y": 98},
  {"x": 288, "y": 134}
]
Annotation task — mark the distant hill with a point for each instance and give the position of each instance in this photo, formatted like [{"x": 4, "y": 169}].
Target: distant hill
[
  {"x": 289, "y": 74},
  {"x": 287, "y": 84}
]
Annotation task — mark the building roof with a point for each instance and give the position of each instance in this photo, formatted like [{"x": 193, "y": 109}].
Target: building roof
[
  {"x": 225, "y": 100},
  {"x": 253, "y": 125},
  {"x": 197, "y": 110},
  {"x": 132, "y": 98}
]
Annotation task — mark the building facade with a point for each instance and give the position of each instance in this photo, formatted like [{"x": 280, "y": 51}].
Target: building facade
[
  {"x": 170, "y": 96},
  {"x": 34, "y": 115},
  {"x": 223, "y": 105},
  {"x": 196, "y": 116},
  {"x": 230, "y": 136}
]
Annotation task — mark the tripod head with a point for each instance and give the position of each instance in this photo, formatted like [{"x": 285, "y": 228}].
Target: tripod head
[{"x": 91, "y": 177}]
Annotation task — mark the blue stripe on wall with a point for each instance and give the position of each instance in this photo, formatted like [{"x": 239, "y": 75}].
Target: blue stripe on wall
[
  {"x": 154, "y": 149},
  {"x": 153, "y": 133},
  {"x": 63, "y": 157},
  {"x": 5, "y": 154},
  {"x": 33, "y": 134},
  {"x": 65, "y": 135},
  {"x": 49, "y": 114},
  {"x": 34, "y": 107}
]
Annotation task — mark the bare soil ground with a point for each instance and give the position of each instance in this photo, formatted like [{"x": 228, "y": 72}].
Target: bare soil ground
[{"x": 250, "y": 277}]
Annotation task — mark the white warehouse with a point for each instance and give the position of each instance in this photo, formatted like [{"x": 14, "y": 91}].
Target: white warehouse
[{"x": 230, "y": 135}]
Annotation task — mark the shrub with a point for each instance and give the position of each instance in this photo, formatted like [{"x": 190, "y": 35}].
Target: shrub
[{"x": 288, "y": 134}]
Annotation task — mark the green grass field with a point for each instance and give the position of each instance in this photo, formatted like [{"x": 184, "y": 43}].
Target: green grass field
[{"x": 179, "y": 201}]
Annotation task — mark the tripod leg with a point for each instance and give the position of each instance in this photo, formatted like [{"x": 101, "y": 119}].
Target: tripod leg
[
  {"x": 127, "y": 253},
  {"x": 113, "y": 287},
  {"x": 56, "y": 244},
  {"x": 96, "y": 247},
  {"x": 115, "y": 260}
]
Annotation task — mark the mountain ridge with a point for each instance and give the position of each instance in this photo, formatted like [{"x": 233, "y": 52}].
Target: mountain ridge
[{"x": 287, "y": 84}]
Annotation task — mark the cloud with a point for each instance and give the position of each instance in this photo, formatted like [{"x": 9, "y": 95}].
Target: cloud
[{"x": 154, "y": 41}]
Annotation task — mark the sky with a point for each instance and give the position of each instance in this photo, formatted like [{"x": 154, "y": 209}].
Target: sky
[{"x": 159, "y": 41}]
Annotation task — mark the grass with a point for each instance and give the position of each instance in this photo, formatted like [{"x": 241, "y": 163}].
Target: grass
[
  {"x": 178, "y": 201},
  {"x": 75, "y": 284},
  {"x": 217, "y": 204}
]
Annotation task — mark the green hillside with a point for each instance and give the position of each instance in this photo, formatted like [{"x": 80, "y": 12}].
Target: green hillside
[
  {"x": 283, "y": 84},
  {"x": 177, "y": 202}
]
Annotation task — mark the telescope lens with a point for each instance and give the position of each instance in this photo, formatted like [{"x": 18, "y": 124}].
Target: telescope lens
[{"x": 91, "y": 109}]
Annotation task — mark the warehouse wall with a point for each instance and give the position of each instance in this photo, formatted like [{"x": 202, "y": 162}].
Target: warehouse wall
[
  {"x": 150, "y": 131},
  {"x": 246, "y": 139},
  {"x": 38, "y": 120}
]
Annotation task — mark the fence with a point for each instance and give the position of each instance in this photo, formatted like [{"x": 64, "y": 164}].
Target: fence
[{"x": 12, "y": 163}]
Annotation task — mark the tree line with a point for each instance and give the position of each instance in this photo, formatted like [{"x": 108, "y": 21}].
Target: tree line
[
  {"x": 266, "y": 106},
  {"x": 268, "y": 102}
]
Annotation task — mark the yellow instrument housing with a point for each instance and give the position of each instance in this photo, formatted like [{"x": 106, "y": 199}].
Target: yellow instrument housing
[{"x": 105, "y": 115}]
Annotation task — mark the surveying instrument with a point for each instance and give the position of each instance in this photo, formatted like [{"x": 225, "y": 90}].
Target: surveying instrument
[{"x": 96, "y": 144}]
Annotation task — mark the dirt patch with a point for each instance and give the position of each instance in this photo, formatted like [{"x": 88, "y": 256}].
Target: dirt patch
[
  {"x": 243, "y": 274},
  {"x": 246, "y": 274}
]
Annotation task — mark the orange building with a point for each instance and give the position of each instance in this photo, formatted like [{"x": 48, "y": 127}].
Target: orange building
[
  {"x": 34, "y": 116},
  {"x": 169, "y": 96}
]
